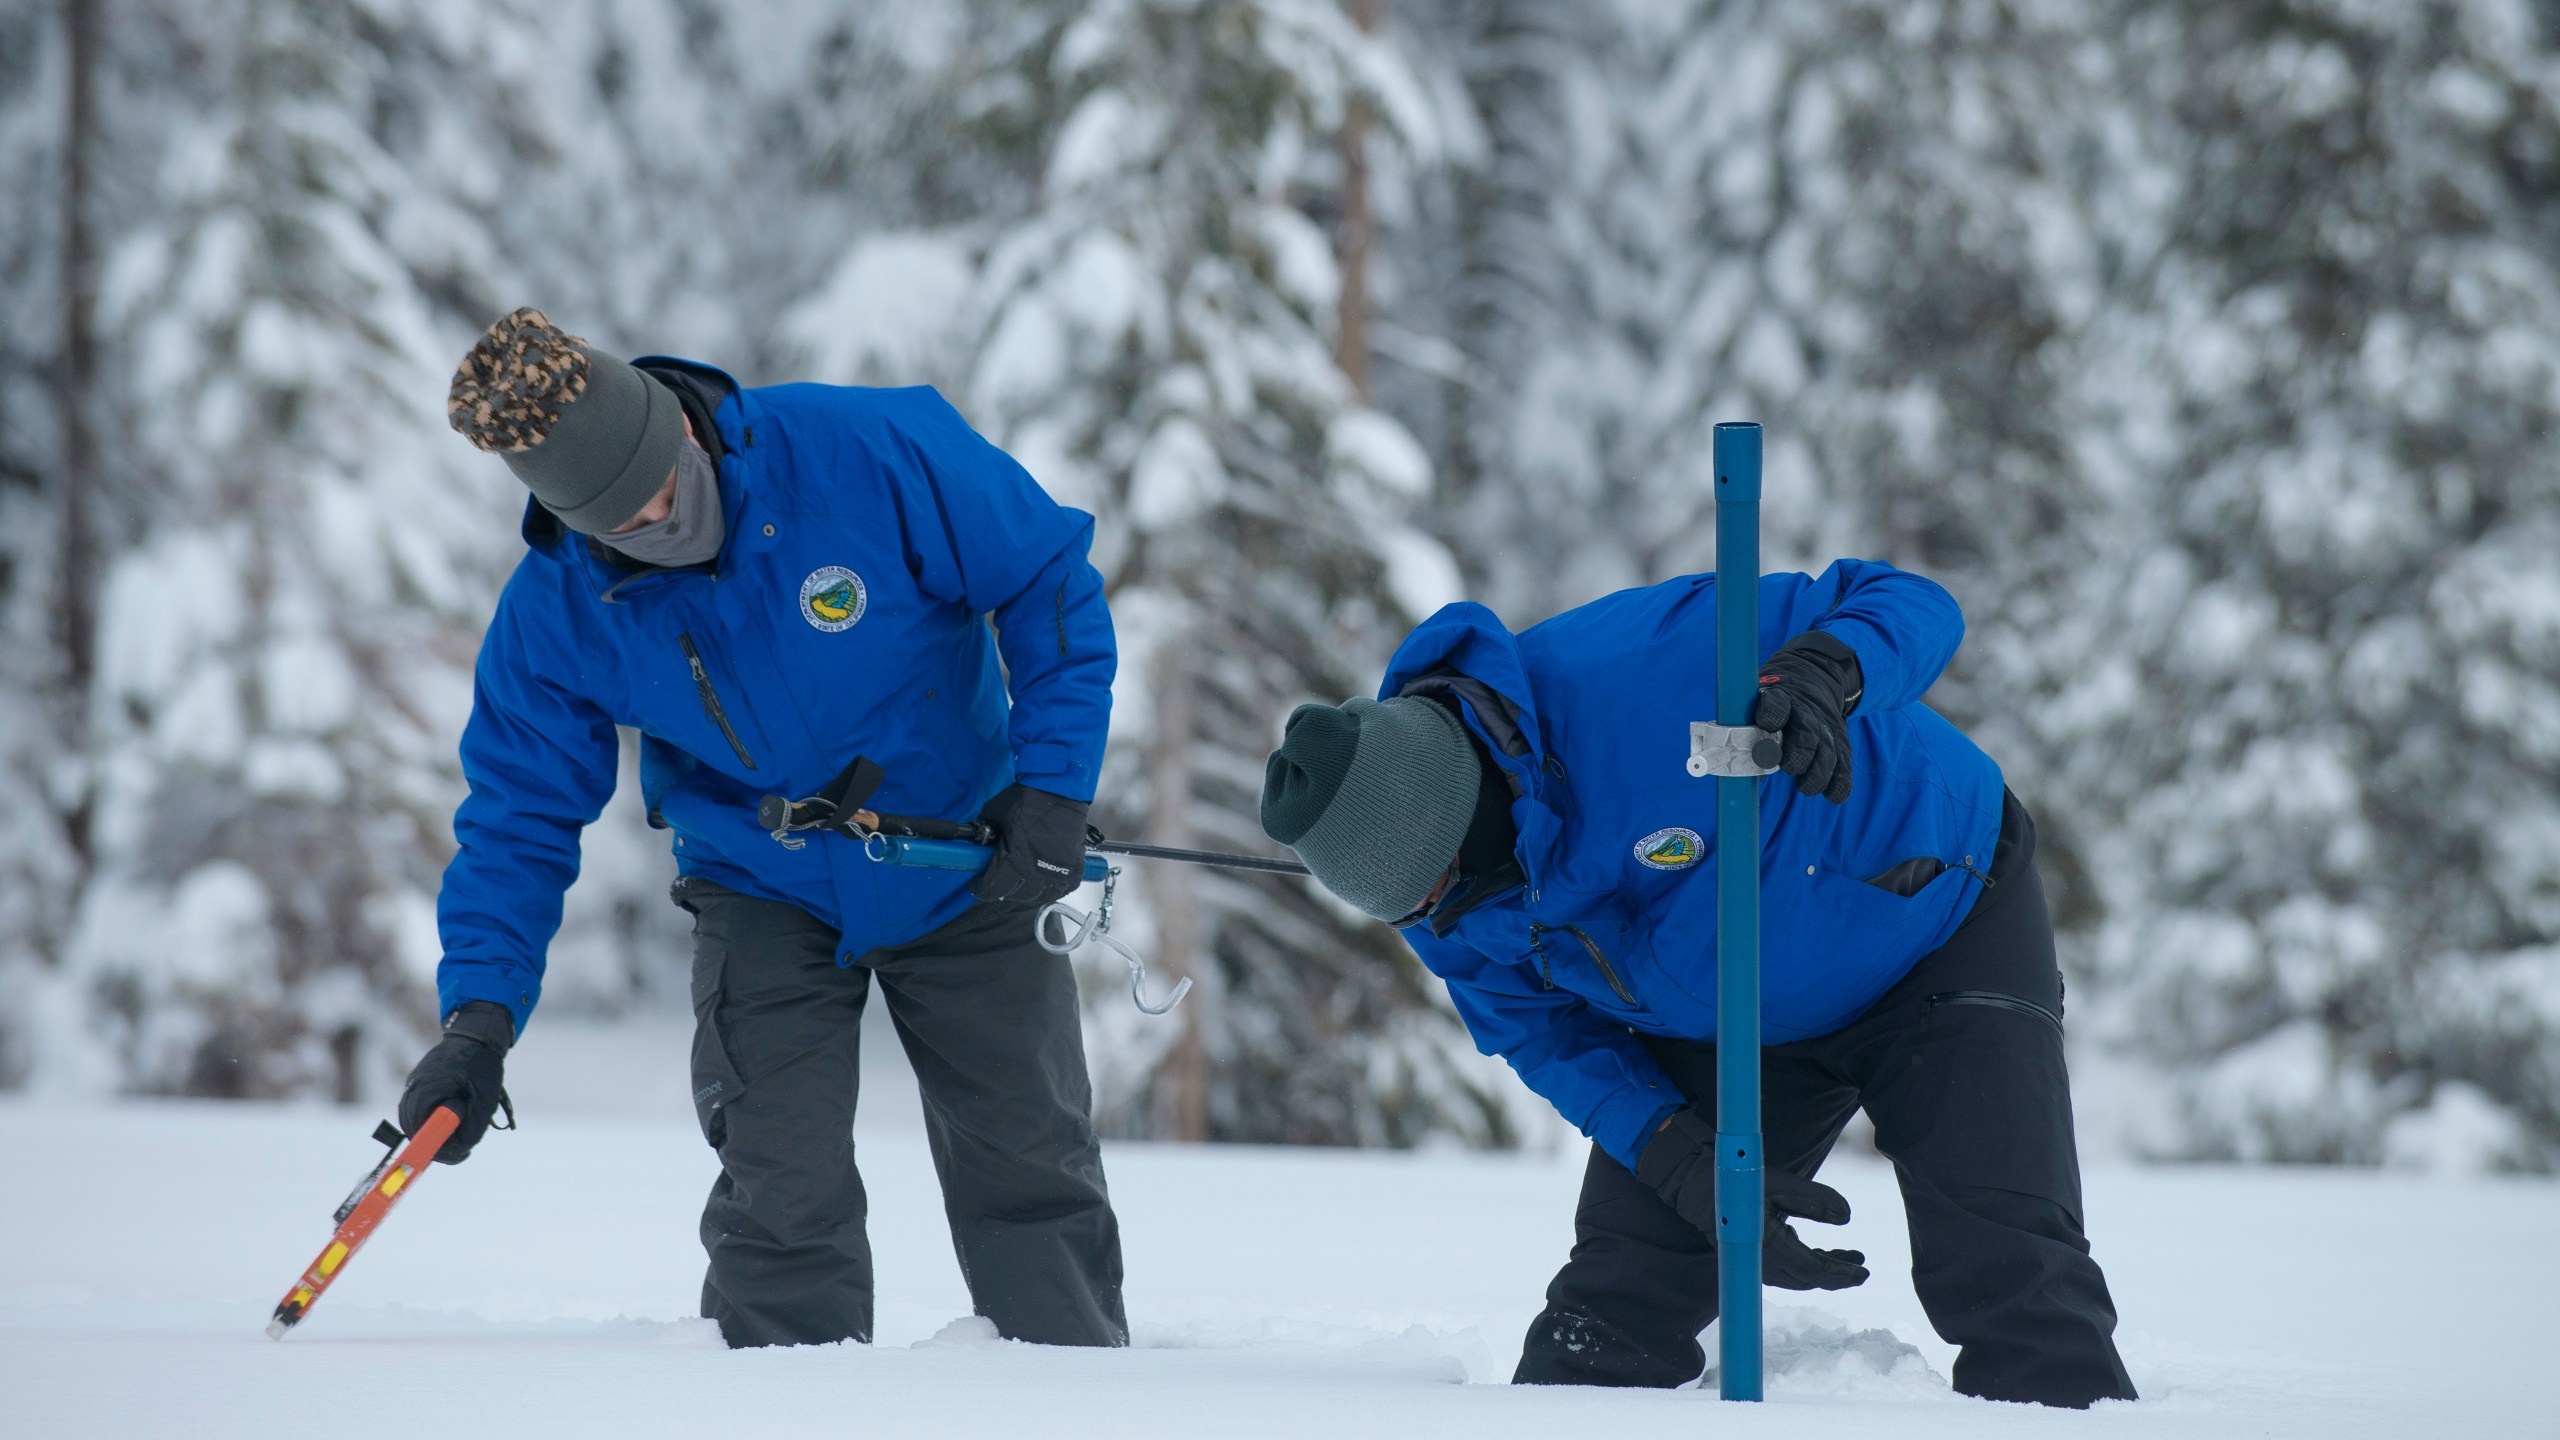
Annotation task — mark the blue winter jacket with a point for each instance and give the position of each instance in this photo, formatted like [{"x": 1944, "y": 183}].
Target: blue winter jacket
[
  {"x": 872, "y": 535},
  {"x": 1614, "y": 929}
]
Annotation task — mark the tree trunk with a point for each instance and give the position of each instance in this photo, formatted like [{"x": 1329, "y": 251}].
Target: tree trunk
[
  {"x": 1508, "y": 262},
  {"x": 1185, "y": 1078},
  {"x": 76, "y": 560},
  {"x": 1355, "y": 232}
]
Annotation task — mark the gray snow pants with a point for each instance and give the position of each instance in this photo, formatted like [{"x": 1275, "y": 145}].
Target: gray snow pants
[{"x": 988, "y": 1019}]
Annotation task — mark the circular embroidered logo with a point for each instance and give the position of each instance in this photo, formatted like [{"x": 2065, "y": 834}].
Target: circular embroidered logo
[
  {"x": 1677, "y": 848},
  {"x": 832, "y": 598}
]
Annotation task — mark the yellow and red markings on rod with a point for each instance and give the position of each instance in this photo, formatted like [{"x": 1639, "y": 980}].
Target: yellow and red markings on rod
[{"x": 360, "y": 1222}]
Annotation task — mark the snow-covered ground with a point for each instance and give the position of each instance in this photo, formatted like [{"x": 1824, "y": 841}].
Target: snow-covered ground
[{"x": 548, "y": 1287}]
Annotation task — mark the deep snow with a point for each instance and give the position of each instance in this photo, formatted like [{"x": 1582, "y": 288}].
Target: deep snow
[{"x": 547, "y": 1288}]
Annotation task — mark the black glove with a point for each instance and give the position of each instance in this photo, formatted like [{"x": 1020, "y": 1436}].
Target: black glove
[
  {"x": 1039, "y": 847},
  {"x": 463, "y": 1070},
  {"x": 1679, "y": 1163},
  {"x": 1806, "y": 693}
]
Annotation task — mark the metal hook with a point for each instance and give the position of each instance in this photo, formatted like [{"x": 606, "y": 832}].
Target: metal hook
[{"x": 1095, "y": 928}]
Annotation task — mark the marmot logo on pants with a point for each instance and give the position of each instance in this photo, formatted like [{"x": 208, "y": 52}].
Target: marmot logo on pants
[{"x": 832, "y": 598}]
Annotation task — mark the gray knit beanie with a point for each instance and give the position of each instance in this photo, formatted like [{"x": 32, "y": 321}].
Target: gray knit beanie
[
  {"x": 590, "y": 436},
  {"x": 1374, "y": 796}
]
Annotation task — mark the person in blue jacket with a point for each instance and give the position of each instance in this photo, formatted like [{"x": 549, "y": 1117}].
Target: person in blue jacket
[
  {"x": 1520, "y": 806},
  {"x": 767, "y": 584}
]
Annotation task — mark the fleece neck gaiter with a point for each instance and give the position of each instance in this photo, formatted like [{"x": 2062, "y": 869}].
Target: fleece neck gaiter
[{"x": 693, "y": 528}]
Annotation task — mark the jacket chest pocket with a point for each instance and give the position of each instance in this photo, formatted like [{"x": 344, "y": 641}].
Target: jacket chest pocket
[
  {"x": 1596, "y": 959},
  {"x": 712, "y": 707},
  {"x": 698, "y": 703}
]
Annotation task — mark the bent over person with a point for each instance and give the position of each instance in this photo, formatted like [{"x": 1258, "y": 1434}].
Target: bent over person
[
  {"x": 1520, "y": 806},
  {"x": 768, "y": 584}
]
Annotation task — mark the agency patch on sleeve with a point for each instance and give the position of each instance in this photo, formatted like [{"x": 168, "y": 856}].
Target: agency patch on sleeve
[
  {"x": 1677, "y": 848},
  {"x": 832, "y": 598}
]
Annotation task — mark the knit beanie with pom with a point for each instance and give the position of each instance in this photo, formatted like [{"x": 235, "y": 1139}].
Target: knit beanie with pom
[{"x": 590, "y": 436}]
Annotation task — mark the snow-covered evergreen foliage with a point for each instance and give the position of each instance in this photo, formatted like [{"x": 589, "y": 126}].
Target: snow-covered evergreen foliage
[
  {"x": 286, "y": 625},
  {"x": 37, "y": 871},
  {"x": 2325, "y": 387}
]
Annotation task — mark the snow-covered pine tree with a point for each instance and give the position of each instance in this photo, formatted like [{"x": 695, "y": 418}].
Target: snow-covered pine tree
[
  {"x": 1859, "y": 223},
  {"x": 37, "y": 865},
  {"x": 1495, "y": 277},
  {"x": 1886, "y": 243},
  {"x": 1151, "y": 338},
  {"x": 901, "y": 119},
  {"x": 712, "y": 160},
  {"x": 636, "y": 232},
  {"x": 1869, "y": 226},
  {"x": 1842, "y": 219},
  {"x": 2328, "y": 382},
  {"x": 287, "y": 623}
]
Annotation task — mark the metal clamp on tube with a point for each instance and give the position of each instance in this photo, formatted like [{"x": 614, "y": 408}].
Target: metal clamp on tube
[{"x": 1731, "y": 750}]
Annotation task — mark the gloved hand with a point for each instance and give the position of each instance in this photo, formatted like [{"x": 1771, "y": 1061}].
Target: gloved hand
[
  {"x": 1679, "y": 1163},
  {"x": 1039, "y": 847},
  {"x": 1806, "y": 693},
  {"x": 463, "y": 1070}
]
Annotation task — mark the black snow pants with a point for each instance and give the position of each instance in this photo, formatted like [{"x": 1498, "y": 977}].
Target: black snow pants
[
  {"x": 1960, "y": 1066},
  {"x": 989, "y": 1021}
]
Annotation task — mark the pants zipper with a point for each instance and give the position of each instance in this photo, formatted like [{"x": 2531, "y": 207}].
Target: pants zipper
[
  {"x": 711, "y": 699},
  {"x": 1997, "y": 1001}
]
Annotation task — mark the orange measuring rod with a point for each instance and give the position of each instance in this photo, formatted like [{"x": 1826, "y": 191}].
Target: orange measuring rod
[{"x": 362, "y": 1212}]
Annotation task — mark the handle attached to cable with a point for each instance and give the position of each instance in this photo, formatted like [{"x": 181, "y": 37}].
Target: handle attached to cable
[{"x": 953, "y": 855}]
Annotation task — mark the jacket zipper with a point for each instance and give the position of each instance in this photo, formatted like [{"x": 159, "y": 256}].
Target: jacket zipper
[
  {"x": 1607, "y": 971},
  {"x": 711, "y": 699},
  {"x": 1546, "y": 973},
  {"x": 1998, "y": 1001}
]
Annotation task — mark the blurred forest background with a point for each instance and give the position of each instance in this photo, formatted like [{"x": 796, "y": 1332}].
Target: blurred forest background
[{"x": 2208, "y": 350}]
